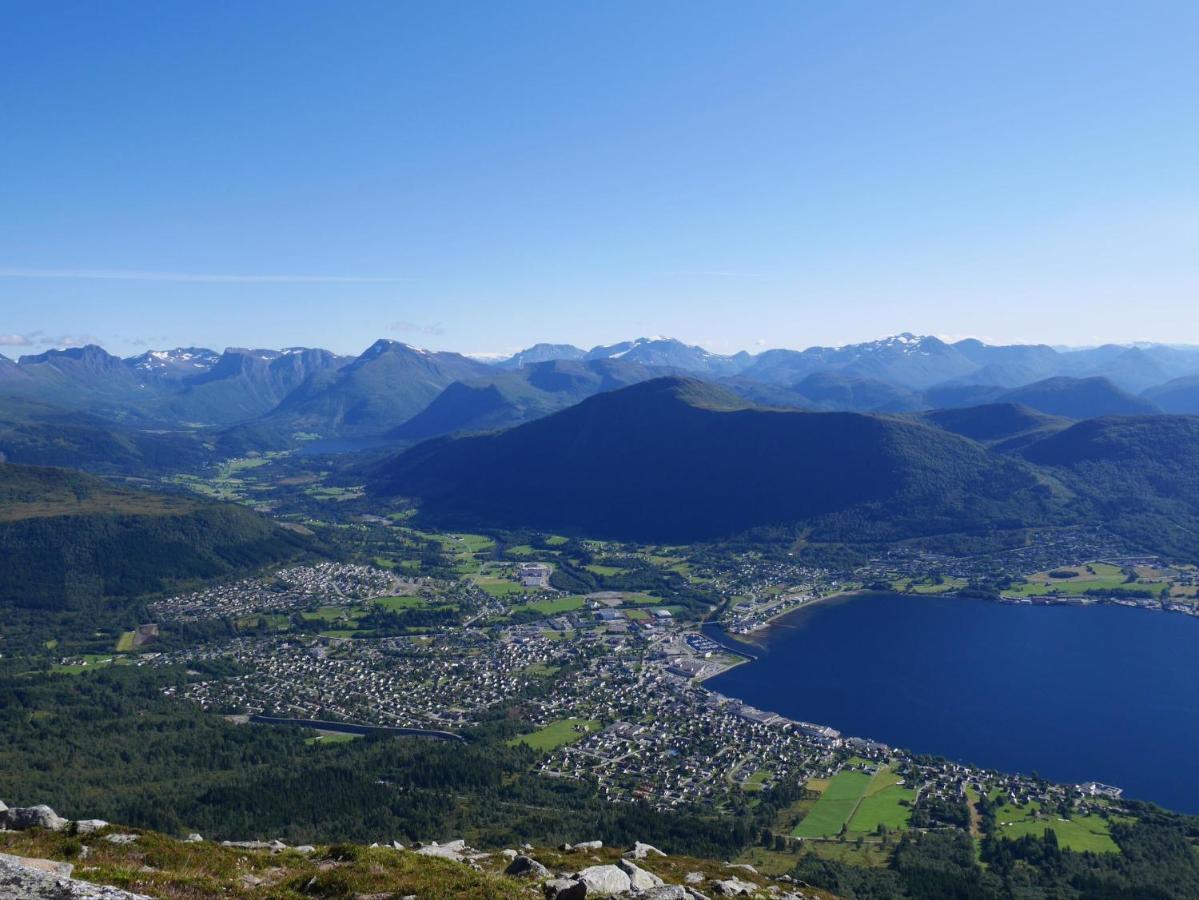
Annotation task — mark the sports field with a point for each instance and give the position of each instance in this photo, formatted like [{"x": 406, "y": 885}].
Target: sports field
[{"x": 556, "y": 734}]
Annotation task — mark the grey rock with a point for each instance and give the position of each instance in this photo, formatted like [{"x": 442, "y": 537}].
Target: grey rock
[
  {"x": 42, "y": 816},
  {"x": 639, "y": 878},
  {"x": 442, "y": 851},
  {"x": 564, "y": 889},
  {"x": 641, "y": 851},
  {"x": 49, "y": 866},
  {"x": 193, "y": 838},
  {"x": 19, "y": 878},
  {"x": 526, "y": 867},
  {"x": 605, "y": 881},
  {"x": 666, "y": 892},
  {"x": 694, "y": 878},
  {"x": 734, "y": 887},
  {"x": 696, "y": 895},
  {"x": 120, "y": 838},
  {"x": 743, "y": 866},
  {"x": 305, "y": 849},
  {"x": 509, "y": 854},
  {"x": 87, "y": 826},
  {"x": 588, "y": 845}
]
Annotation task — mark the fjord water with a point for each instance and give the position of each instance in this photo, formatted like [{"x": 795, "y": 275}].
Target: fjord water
[{"x": 1101, "y": 693}]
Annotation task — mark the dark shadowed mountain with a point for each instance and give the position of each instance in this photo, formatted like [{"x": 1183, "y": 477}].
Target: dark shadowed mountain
[
  {"x": 678, "y": 459},
  {"x": 510, "y": 398},
  {"x": 996, "y": 423},
  {"x": 1180, "y": 396},
  {"x": 381, "y": 389},
  {"x": 1079, "y": 398}
]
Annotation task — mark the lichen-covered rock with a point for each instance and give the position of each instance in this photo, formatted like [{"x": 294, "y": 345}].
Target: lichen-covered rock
[
  {"x": 41, "y": 816},
  {"x": 641, "y": 851},
  {"x": 666, "y": 892},
  {"x": 526, "y": 867},
  {"x": 19, "y": 878},
  {"x": 605, "y": 881},
  {"x": 734, "y": 887},
  {"x": 87, "y": 826},
  {"x": 639, "y": 877}
]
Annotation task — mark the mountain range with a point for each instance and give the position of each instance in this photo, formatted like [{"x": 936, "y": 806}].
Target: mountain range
[{"x": 392, "y": 392}]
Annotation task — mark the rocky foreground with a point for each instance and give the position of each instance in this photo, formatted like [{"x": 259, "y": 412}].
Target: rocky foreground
[{"x": 46, "y": 857}]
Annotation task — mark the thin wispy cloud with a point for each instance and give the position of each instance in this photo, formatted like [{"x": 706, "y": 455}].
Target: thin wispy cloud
[
  {"x": 15, "y": 340},
  {"x": 194, "y": 277}
]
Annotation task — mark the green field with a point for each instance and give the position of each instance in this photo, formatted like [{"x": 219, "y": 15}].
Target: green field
[
  {"x": 550, "y": 607},
  {"x": 834, "y": 807},
  {"x": 91, "y": 662},
  {"x": 332, "y": 737},
  {"x": 755, "y": 781},
  {"x": 125, "y": 642},
  {"x": 498, "y": 587},
  {"x": 1101, "y": 577},
  {"x": 605, "y": 570},
  {"x": 332, "y": 613},
  {"x": 1082, "y": 833},
  {"x": 883, "y": 804},
  {"x": 557, "y": 734},
  {"x": 397, "y": 603}
]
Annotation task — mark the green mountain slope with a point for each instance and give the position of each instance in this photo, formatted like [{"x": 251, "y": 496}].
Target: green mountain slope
[
  {"x": 32, "y": 433},
  {"x": 678, "y": 459},
  {"x": 71, "y": 541},
  {"x": 1140, "y": 476}
]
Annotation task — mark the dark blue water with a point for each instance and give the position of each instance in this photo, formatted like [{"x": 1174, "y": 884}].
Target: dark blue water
[{"x": 1074, "y": 693}]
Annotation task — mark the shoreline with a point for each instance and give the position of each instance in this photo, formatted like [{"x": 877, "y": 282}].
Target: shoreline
[{"x": 773, "y": 619}]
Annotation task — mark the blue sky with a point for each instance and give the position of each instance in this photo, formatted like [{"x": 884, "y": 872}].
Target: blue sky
[{"x": 481, "y": 176}]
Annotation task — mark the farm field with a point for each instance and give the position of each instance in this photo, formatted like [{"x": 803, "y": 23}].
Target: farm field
[
  {"x": 1083, "y": 833},
  {"x": 858, "y": 801},
  {"x": 557, "y": 734},
  {"x": 834, "y": 807},
  {"x": 883, "y": 804}
]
